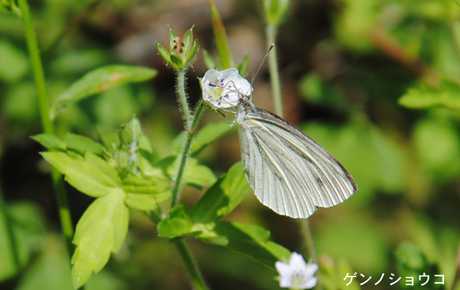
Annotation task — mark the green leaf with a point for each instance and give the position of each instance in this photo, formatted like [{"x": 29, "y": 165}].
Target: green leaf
[
  {"x": 49, "y": 270},
  {"x": 209, "y": 61},
  {"x": 412, "y": 261},
  {"x": 164, "y": 53},
  {"x": 223, "y": 49},
  {"x": 145, "y": 185},
  {"x": 195, "y": 174},
  {"x": 82, "y": 175},
  {"x": 100, "y": 231},
  {"x": 205, "y": 136},
  {"x": 177, "y": 224},
  {"x": 103, "y": 166},
  {"x": 146, "y": 202},
  {"x": 423, "y": 96},
  {"x": 100, "y": 80},
  {"x": 49, "y": 141},
  {"x": 244, "y": 65},
  {"x": 249, "y": 240},
  {"x": 222, "y": 197},
  {"x": 14, "y": 62},
  {"x": 82, "y": 143}
]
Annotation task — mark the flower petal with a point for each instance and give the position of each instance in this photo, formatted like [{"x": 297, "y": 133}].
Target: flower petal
[
  {"x": 311, "y": 269},
  {"x": 297, "y": 262},
  {"x": 310, "y": 283},
  {"x": 283, "y": 269}
]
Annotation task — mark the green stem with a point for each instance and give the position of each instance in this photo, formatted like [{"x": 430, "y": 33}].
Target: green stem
[
  {"x": 271, "y": 31},
  {"x": 306, "y": 232},
  {"x": 184, "y": 154},
  {"x": 190, "y": 264},
  {"x": 182, "y": 97},
  {"x": 64, "y": 213},
  {"x": 11, "y": 238}
]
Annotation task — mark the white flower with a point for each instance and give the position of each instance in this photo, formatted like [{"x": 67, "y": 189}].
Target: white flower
[
  {"x": 222, "y": 89},
  {"x": 297, "y": 274}
]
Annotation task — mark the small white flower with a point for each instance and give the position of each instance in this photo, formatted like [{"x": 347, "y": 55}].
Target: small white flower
[
  {"x": 222, "y": 89},
  {"x": 297, "y": 274}
]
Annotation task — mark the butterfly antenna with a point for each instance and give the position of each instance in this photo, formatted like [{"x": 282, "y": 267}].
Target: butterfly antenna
[{"x": 263, "y": 60}]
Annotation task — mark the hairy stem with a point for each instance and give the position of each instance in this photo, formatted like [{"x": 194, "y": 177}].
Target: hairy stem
[
  {"x": 182, "y": 97},
  {"x": 184, "y": 154},
  {"x": 35, "y": 60},
  {"x": 274, "y": 73}
]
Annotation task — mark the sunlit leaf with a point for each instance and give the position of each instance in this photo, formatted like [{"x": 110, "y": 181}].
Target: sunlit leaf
[
  {"x": 423, "y": 96},
  {"x": 82, "y": 143},
  {"x": 195, "y": 174},
  {"x": 84, "y": 176},
  {"x": 49, "y": 141},
  {"x": 100, "y": 231},
  {"x": 100, "y": 80}
]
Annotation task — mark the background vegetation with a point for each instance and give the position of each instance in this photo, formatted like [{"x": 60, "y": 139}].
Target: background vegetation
[{"x": 376, "y": 82}]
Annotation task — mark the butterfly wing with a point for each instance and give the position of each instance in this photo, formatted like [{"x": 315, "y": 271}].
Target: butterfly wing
[{"x": 289, "y": 172}]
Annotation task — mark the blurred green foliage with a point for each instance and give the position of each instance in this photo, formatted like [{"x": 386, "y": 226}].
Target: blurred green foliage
[{"x": 374, "y": 82}]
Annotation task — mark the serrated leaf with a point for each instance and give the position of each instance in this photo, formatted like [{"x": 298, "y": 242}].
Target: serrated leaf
[
  {"x": 249, "y": 240},
  {"x": 195, "y": 174},
  {"x": 82, "y": 143},
  {"x": 423, "y": 96},
  {"x": 82, "y": 175},
  {"x": 222, "y": 197},
  {"x": 100, "y": 80},
  {"x": 177, "y": 224},
  {"x": 100, "y": 231},
  {"x": 209, "y": 61},
  {"x": 243, "y": 66},
  {"x": 49, "y": 141},
  {"x": 208, "y": 134}
]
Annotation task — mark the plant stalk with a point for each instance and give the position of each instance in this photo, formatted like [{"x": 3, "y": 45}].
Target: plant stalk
[
  {"x": 190, "y": 264},
  {"x": 271, "y": 31},
  {"x": 184, "y": 154},
  {"x": 182, "y": 97},
  {"x": 37, "y": 68}
]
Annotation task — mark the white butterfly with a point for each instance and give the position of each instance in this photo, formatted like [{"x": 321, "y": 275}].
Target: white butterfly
[{"x": 288, "y": 171}]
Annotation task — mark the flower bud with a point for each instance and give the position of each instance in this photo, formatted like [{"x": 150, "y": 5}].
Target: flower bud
[{"x": 182, "y": 52}]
